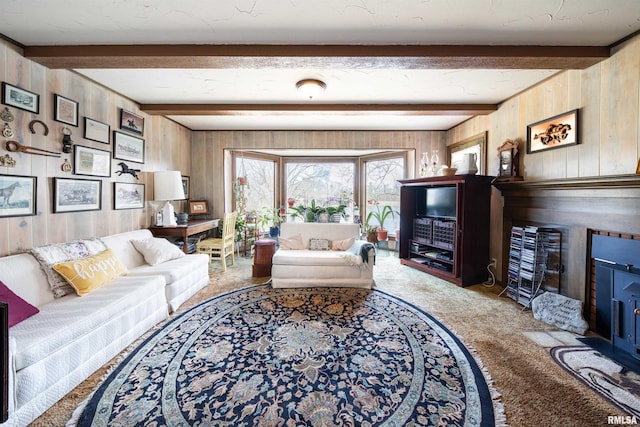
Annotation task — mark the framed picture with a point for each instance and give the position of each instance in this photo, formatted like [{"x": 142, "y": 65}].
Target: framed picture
[
  {"x": 17, "y": 195},
  {"x": 555, "y": 132},
  {"x": 198, "y": 207},
  {"x": 508, "y": 158},
  {"x": 75, "y": 195},
  {"x": 128, "y": 196},
  {"x": 96, "y": 131},
  {"x": 91, "y": 161},
  {"x": 131, "y": 122},
  {"x": 476, "y": 144},
  {"x": 127, "y": 147},
  {"x": 65, "y": 110},
  {"x": 185, "y": 186},
  {"x": 20, "y": 98}
]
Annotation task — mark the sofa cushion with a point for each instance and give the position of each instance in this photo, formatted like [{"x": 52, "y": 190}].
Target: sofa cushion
[
  {"x": 307, "y": 257},
  {"x": 342, "y": 245},
  {"x": 89, "y": 273},
  {"x": 49, "y": 255},
  {"x": 19, "y": 309},
  {"x": 69, "y": 318},
  {"x": 172, "y": 270},
  {"x": 157, "y": 250},
  {"x": 319, "y": 244},
  {"x": 291, "y": 243}
]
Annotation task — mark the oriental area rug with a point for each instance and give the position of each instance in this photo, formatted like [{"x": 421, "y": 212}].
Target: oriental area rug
[{"x": 296, "y": 357}]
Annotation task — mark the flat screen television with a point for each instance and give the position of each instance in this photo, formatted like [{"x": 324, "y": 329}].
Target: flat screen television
[{"x": 441, "y": 202}]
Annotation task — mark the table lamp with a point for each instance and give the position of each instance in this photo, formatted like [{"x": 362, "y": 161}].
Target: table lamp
[{"x": 167, "y": 186}]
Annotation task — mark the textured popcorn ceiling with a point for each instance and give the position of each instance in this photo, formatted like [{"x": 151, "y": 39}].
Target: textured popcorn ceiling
[{"x": 306, "y": 22}]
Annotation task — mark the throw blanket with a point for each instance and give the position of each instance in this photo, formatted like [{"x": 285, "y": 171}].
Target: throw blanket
[{"x": 358, "y": 254}]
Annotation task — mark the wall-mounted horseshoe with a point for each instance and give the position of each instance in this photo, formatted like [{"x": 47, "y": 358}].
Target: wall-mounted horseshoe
[{"x": 33, "y": 122}]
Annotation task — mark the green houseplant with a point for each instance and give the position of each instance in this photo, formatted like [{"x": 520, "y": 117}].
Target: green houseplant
[
  {"x": 380, "y": 215},
  {"x": 309, "y": 213}
]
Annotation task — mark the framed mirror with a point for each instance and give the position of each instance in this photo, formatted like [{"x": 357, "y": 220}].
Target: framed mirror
[{"x": 475, "y": 145}]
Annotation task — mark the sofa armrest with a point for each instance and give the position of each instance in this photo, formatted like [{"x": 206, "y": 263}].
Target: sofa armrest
[{"x": 4, "y": 351}]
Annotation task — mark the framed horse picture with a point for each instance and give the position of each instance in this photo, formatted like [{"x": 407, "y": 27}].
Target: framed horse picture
[{"x": 17, "y": 195}]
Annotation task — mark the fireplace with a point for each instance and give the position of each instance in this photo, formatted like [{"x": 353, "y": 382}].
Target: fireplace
[{"x": 617, "y": 291}]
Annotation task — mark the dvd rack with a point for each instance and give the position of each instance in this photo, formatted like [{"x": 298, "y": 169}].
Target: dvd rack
[{"x": 534, "y": 263}]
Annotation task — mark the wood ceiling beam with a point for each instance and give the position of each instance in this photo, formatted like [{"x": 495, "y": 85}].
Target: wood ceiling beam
[
  {"x": 301, "y": 109},
  {"x": 336, "y": 56}
]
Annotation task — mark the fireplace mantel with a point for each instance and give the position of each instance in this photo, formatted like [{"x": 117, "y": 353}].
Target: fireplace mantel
[
  {"x": 591, "y": 182},
  {"x": 573, "y": 206}
]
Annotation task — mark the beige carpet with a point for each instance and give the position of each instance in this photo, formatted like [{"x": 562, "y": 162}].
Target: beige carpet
[{"x": 535, "y": 391}]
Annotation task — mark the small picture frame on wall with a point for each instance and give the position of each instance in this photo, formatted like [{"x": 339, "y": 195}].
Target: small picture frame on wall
[
  {"x": 128, "y": 196},
  {"x": 65, "y": 110},
  {"x": 131, "y": 122},
  {"x": 76, "y": 195},
  {"x": 18, "y": 194},
  {"x": 554, "y": 132},
  {"x": 96, "y": 131},
  {"x": 91, "y": 161},
  {"x": 185, "y": 186},
  {"x": 14, "y": 96},
  {"x": 128, "y": 147}
]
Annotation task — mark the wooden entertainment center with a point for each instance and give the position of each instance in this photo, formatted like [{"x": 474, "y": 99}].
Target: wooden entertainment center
[{"x": 444, "y": 226}]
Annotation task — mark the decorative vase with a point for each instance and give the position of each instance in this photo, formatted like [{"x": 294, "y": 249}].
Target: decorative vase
[
  {"x": 291, "y": 201},
  {"x": 323, "y": 217}
]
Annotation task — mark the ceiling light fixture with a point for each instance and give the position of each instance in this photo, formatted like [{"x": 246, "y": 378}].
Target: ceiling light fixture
[{"x": 311, "y": 88}]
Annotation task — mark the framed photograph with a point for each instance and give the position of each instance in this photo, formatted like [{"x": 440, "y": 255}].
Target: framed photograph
[
  {"x": 477, "y": 145},
  {"x": 128, "y": 196},
  {"x": 76, "y": 195},
  {"x": 65, "y": 110},
  {"x": 91, "y": 161},
  {"x": 555, "y": 132},
  {"x": 131, "y": 122},
  {"x": 96, "y": 131},
  {"x": 20, "y": 98},
  {"x": 185, "y": 186},
  {"x": 17, "y": 195},
  {"x": 127, "y": 147},
  {"x": 198, "y": 207}
]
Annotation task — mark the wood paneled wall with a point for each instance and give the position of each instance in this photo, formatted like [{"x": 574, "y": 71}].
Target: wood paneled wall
[
  {"x": 608, "y": 96},
  {"x": 167, "y": 147},
  {"x": 208, "y": 150}
]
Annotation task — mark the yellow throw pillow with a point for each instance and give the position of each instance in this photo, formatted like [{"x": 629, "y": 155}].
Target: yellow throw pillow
[{"x": 89, "y": 273}]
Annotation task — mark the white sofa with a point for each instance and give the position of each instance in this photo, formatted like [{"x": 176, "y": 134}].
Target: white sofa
[
  {"x": 71, "y": 337},
  {"x": 308, "y": 268}
]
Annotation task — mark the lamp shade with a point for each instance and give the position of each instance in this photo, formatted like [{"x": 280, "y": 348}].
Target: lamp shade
[{"x": 167, "y": 185}]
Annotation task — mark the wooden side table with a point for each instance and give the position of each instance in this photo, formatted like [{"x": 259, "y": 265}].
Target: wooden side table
[
  {"x": 262, "y": 257},
  {"x": 184, "y": 231}
]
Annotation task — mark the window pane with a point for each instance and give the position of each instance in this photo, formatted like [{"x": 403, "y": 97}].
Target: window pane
[
  {"x": 383, "y": 188},
  {"x": 329, "y": 184},
  {"x": 259, "y": 191}
]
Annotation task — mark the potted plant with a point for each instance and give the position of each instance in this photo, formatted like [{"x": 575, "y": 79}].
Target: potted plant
[
  {"x": 271, "y": 217},
  {"x": 381, "y": 216},
  {"x": 336, "y": 213},
  {"x": 309, "y": 213}
]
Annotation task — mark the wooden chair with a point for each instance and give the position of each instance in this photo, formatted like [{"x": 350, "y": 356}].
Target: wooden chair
[{"x": 224, "y": 246}]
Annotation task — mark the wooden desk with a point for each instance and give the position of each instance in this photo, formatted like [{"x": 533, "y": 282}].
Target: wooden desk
[{"x": 184, "y": 231}]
